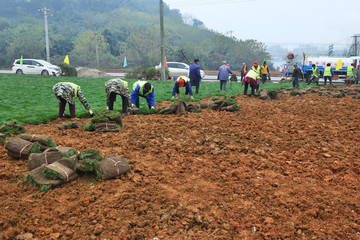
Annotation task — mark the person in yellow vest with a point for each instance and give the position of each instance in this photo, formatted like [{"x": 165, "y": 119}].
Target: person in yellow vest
[
  {"x": 257, "y": 69},
  {"x": 182, "y": 81},
  {"x": 66, "y": 92},
  {"x": 315, "y": 75},
  {"x": 251, "y": 77},
  {"x": 265, "y": 72},
  {"x": 115, "y": 87},
  {"x": 350, "y": 76},
  {"x": 328, "y": 73},
  {"x": 145, "y": 90}
]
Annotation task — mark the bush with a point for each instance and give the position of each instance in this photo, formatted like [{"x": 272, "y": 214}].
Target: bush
[
  {"x": 151, "y": 73},
  {"x": 68, "y": 70},
  {"x": 135, "y": 73}
]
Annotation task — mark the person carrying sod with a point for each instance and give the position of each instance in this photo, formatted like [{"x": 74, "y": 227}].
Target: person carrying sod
[
  {"x": 251, "y": 77},
  {"x": 115, "y": 87},
  {"x": 182, "y": 81},
  {"x": 66, "y": 92},
  {"x": 145, "y": 90}
]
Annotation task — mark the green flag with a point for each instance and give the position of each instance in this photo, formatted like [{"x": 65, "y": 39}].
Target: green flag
[{"x": 21, "y": 60}]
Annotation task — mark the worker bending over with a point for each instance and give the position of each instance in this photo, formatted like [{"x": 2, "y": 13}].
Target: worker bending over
[
  {"x": 145, "y": 90},
  {"x": 315, "y": 75},
  {"x": 182, "y": 81},
  {"x": 115, "y": 87},
  {"x": 251, "y": 77},
  {"x": 66, "y": 92}
]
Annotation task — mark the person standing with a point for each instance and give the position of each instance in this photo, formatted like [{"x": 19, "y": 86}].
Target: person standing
[
  {"x": 350, "y": 74},
  {"x": 251, "y": 78},
  {"x": 265, "y": 72},
  {"x": 182, "y": 81},
  {"x": 223, "y": 75},
  {"x": 357, "y": 74},
  {"x": 115, "y": 87},
  {"x": 257, "y": 69},
  {"x": 243, "y": 71},
  {"x": 315, "y": 75},
  {"x": 328, "y": 73},
  {"x": 66, "y": 92},
  {"x": 145, "y": 90},
  {"x": 296, "y": 75},
  {"x": 194, "y": 75}
]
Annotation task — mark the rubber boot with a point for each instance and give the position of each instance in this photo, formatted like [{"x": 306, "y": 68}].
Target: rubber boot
[
  {"x": 62, "y": 104},
  {"x": 72, "y": 110}
]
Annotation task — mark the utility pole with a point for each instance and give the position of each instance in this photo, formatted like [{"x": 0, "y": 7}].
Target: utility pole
[
  {"x": 162, "y": 49},
  {"x": 45, "y": 12},
  {"x": 97, "y": 51},
  {"x": 356, "y": 44}
]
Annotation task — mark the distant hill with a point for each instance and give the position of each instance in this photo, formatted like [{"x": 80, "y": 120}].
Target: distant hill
[{"x": 125, "y": 28}]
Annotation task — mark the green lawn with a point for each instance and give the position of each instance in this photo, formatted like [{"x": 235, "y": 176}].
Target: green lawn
[{"x": 30, "y": 99}]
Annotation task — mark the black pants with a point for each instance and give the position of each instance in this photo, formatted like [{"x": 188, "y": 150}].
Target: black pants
[
  {"x": 263, "y": 78},
  {"x": 112, "y": 99},
  {"x": 242, "y": 77},
  {"x": 223, "y": 85},
  {"x": 62, "y": 104},
  {"x": 327, "y": 77},
  {"x": 252, "y": 88},
  {"x": 197, "y": 89},
  {"x": 295, "y": 82}
]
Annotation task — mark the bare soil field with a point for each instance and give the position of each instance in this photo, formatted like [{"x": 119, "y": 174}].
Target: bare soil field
[{"x": 276, "y": 169}]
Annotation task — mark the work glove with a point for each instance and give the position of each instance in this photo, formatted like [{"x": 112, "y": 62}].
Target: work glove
[
  {"x": 91, "y": 113},
  {"x": 173, "y": 97},
  {"x": 107, "y": 108},
  {"x": 192, "y": 98},
  {"x": 152, "y": 107},
  {"x": 132, "y": 105}
]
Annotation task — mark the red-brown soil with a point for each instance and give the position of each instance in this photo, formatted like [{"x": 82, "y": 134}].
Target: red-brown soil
[{"x": 285, "y": 169}]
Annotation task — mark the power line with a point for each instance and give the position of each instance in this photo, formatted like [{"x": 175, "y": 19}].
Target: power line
[{"x": 209, "y": 2}]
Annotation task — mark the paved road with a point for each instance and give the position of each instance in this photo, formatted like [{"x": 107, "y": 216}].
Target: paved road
[{"x": 208, "y": 78}]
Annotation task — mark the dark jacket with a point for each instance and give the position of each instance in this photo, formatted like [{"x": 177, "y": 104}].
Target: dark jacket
[
  {"x": 297, "y": 73},
  {"x": 194, "y": 75}
]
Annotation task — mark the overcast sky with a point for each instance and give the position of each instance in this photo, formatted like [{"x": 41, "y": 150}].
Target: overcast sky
[{"x": 284, "y": 22}]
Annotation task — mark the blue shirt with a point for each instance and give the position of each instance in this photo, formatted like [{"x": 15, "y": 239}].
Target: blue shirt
[
  {"x": 150, "y": 98},
  {"x": 223, "y": 73}
]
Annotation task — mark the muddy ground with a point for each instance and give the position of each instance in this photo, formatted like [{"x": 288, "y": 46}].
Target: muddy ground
[{"x": 277, "y": 169}]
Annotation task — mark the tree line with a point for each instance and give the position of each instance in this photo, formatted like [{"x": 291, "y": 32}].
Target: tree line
[{"x": 96, "y": 33}]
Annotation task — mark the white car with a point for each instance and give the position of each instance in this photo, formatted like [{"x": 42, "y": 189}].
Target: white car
[
  {"x": 35, "y": 66},
  {"x": 179, "y": 69}
]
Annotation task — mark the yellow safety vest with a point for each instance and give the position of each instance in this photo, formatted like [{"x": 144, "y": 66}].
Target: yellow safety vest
[
  {"x": 73, "y": 85},
  {"x": 264, "y": 69},
  {"x": 186, "y": 79},
  {"x": 327, "y": 72},
  {"x": 252, "y": 74},
  {"x": 141, "y": 90},
  {"x": 314, "y": 71},
  {"x": 257, "y": 71},
  {"x": 350, "y": 70}
]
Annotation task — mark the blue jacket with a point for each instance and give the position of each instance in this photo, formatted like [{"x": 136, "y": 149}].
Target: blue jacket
[
  {"x": 150, "y": 99},
  {"x": 194, "y": 74},
  {"x": 223, "y": 73},
  {"x": 187, "y": 85}
]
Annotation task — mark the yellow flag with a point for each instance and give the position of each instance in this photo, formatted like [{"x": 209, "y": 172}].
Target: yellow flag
[
  {"x": 338, "y": 65},
  {"x": 66, "y": 60}
]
